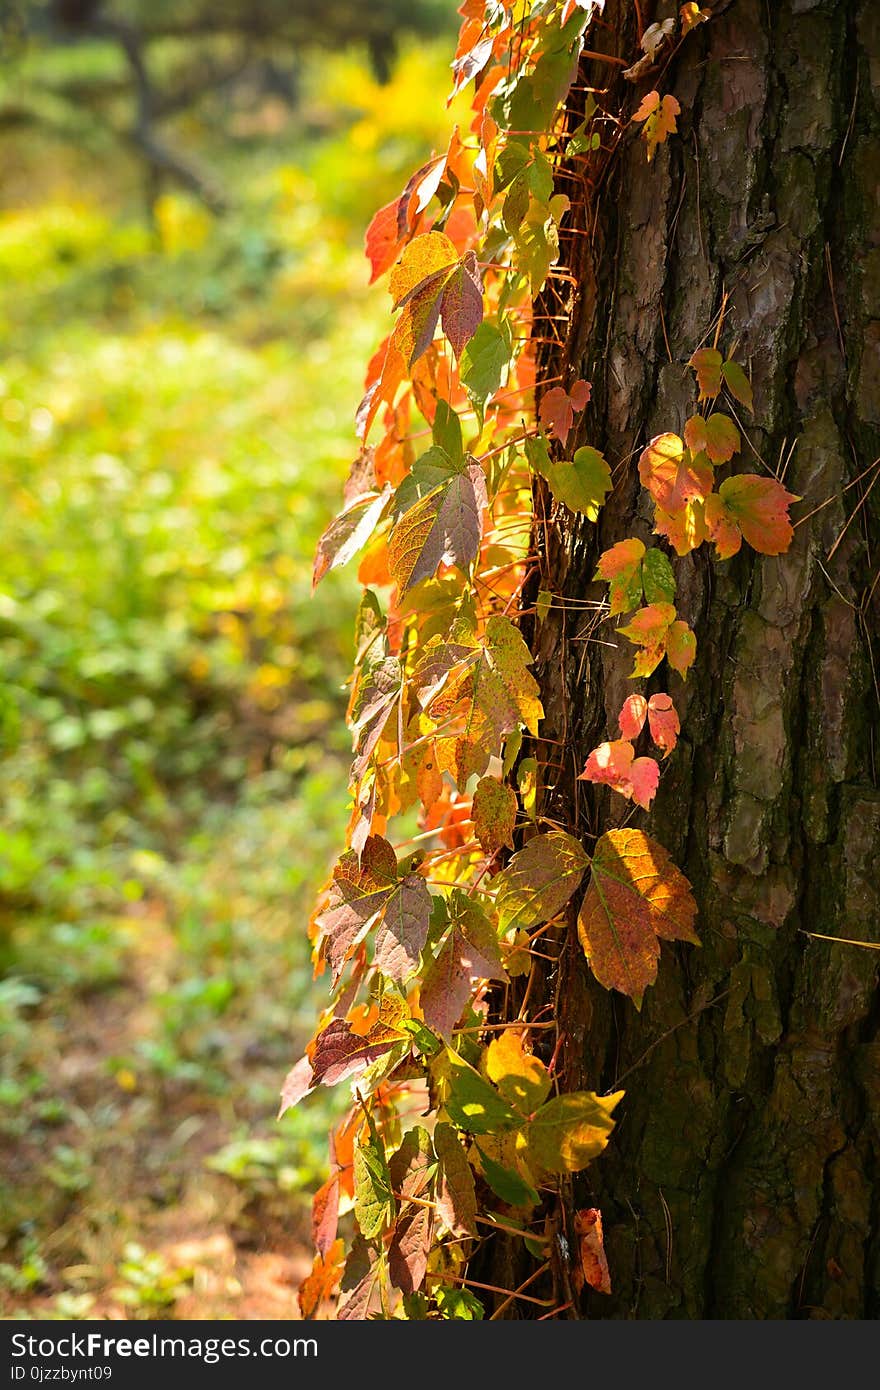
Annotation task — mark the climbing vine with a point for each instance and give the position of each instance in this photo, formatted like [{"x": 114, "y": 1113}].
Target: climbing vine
[{"x": 457, "y": 1126}]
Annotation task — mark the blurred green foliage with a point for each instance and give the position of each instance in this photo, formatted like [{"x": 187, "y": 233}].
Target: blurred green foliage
[{"x": 175, "y": 422}]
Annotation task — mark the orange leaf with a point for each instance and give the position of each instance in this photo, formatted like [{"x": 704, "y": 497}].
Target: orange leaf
[
  {"x": 591, "y": 1250},
  {"x": 658, "y": 633},
  {"x": 659, "y": 117},
  {"x": 684, "y": 529},
  {"x": 718, "y": 437},
  {"x": 321, "y": 1284},
  {"x": 752, "y": 508},
  {"x": 383, "y": 242},
  {"x": 706, "y": 362},
  {"x": 635, "y": 896},
  {"x": 671, "y": 475},
  {"x": 621, "y": 566}
]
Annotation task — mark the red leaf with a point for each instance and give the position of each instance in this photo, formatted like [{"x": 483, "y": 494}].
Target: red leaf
[
  {"x": 558, "y": 409},
  {"x": 632, "y": 716},
  {"x": 383, "y": 242},
  {"x": 663, "y": 722},
  {"x": 470, "y": 953},
  {"x": 613, "y": 764},
  {"x": 298, "y": 1084},
  {"x": 752, "y": 508}
]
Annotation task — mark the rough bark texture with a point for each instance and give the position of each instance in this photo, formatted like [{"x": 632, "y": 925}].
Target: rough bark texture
[{"x": 741, "y": 1180}]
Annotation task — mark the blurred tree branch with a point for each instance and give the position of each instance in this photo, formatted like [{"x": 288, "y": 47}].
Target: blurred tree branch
[{"x": 213, "y": 47}]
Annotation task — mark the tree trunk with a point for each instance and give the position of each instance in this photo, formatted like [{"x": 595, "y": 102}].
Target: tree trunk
[{"x": 739, "y": 1182}]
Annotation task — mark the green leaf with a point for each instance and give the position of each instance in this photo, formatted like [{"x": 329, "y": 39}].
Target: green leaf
[
  {"x": 738, "y": 383},
  {"x": 473, "y": 1104},
  {"x": 657, "y": 577},
  {"x": 447, "y": 432},
  {"x": 510, "y": 1186},
  {"x": 374, "y": 1205},
  {"x": 582, "y": 484},
  {"x": 458, "y": 1304},
  {"x": 485, "y": 360},
  {"x": 570, "y": 1130}
]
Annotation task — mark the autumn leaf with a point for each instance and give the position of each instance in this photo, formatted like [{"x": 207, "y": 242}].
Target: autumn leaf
[
  {"x": 340, "y": 1052},
  {"x": 635, "y": 896},
  {"x": 684, "y": 529},
  {"x": 298, "y": 1083},
  {"x": 621, "y": 566},
  {"x": 539, "y": 880},
  {"x": 431, "y": 284},
  {"x": 469, "y": 953},
  {"x": 325, "y": 1214},
  {"x": 571, "y": 1130},
  {"x": 558, "y": 409},
  {"x": 366, "y": 1273},
  {"x": 455, "y": 1196},
  {"x": 657, "y": 632},
  {"x": 521, "y": 1078},
  {"x": 752, "y": 508},
  {"x": 364, "y": 891},
  {"x": 377, "y": 691},
  {"x": 411, "y": 1169},
  {"x": 347, "y": 532},
  {"x": 691, "y": 15},
  {"x": 671, "y": 474},
  {"x": 444, "y": 527},
  {"x": 582, "y": 484},
  {"x": 383, "y": 241},
  {"x": 632, "y": 716},
  {"x": 737, "y": 383},
  {"x": 592, "y": 1266},
  {"x": 614, "y": 765},
  {"x": 663, "y": 722},
  {"x": 717, "y": 436},
  {"x": 483, "y": 687},
  {"x": 659, "y": 118},
  {"x": 320, "y": 1285},
  {"x": 494, "y": 814},
  {"x": 706, "y": 363}
]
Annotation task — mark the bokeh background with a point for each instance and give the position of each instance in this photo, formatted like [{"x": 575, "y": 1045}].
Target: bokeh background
[{"x": 184, "y": 327}]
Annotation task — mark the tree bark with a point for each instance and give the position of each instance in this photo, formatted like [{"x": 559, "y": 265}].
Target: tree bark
[{"x": 739, "y": 1182}]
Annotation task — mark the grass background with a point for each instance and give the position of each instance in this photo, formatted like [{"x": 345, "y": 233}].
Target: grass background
[{"x": 176, "y": 409}]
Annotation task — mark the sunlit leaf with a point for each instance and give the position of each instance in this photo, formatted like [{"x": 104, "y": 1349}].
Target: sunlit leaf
[
  {"x": 752, "y": 508},
  {"x": 571, "y": 1130},
  {"x": 635, "y": 895},
  {"x": 540, "y": 879}
]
